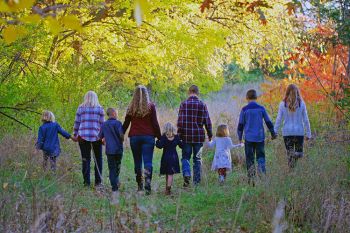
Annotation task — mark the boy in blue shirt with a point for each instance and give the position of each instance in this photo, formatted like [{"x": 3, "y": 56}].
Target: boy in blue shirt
[
  {"x": 251, "y": 124},
  {"x": 112, "y": 135}
]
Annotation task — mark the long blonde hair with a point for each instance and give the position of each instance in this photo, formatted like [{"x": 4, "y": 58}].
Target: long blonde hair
[
  {"x": 140, "y": 103},
  {"x": 47, "y": 116},
  {"x": 90, "y": 100},
  {"x": 292, "y": 99},
  {"x": 169, "y": 130}
]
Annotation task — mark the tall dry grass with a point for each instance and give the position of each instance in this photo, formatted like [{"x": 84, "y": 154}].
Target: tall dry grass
[{"x": 314, "y": 197}]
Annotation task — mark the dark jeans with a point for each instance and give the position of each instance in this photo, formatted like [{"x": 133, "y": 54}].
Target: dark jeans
[
  {"x": 294, "y": 146},
  {"x": 255, "y": 150},
  {"x": 85, "y": 149},
  {"x": 52, "y": 159},
  {"x": 187, "y": 150},
  {"x": 142, "y": 148},
  {"x": 114, "y": 162}
]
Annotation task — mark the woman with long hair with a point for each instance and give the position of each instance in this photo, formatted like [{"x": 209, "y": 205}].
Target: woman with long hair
[
  {"x": 88, "y": 121},
  {"x": 142, "y": 116},
  {"x": 293, "y": 117}
]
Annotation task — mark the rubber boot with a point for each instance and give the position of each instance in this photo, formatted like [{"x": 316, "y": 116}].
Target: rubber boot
[
  {"x": 187, "y": 180},
  {"x": 168, "y": 190},
  {"x": 148, "y": 180},
  {"x": 139, "y": 180}
]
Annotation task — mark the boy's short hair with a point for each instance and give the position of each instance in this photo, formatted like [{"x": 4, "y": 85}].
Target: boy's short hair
[
  {"x": 251, "y": 94},
  {"x": 47, "y": 116},
  {"x": 110, "y": 111},
  {"x": 193, "y": 90}
]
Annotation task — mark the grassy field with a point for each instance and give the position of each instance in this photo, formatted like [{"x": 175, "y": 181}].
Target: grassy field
[{"x": 315, "y": 197}]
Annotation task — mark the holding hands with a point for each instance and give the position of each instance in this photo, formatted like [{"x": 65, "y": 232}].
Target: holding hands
[{"x": 74, "y": 138}]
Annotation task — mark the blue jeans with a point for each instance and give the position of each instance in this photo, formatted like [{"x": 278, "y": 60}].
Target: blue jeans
[
  {"x": 114, "y": 162},
  {"x": 142, "y": 148},
  {"x": 187, "y": 150},
  {"x": 253, "y": 149},
  {"x": 85, "y": 149}
]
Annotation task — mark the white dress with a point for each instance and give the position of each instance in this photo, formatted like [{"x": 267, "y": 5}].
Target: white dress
[{"x": 222, "y": 157}]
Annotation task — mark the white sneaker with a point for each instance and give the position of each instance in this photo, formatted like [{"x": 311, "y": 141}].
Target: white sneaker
[
  {"x": 115, "y": 198},
  {"x": 221, "y": 179}
]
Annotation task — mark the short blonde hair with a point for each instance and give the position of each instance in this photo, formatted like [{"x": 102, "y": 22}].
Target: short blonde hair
[
  {"x": 222, "y": 131},
  {"x": 47, "y": 116},
  {"x": 169, "y": 130},
  {"x": 90, "y": 100}
]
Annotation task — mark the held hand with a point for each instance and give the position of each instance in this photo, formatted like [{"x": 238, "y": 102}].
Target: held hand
[
  {"x": 103, "y": 141},
  {"x": 209, "y": 139},
  {"x": 74, "y": 138},
  {"x": 273, "y": 137}
]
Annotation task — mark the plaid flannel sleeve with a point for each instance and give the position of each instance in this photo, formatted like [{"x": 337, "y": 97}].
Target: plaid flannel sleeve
[
  {"x": 77, "y": 122},
  {"x": 207, "y": 122},
  {"x": 180, "y": 120}
]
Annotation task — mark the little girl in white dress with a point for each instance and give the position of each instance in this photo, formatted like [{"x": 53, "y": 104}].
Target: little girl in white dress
[{"x": 222, "y": 159}]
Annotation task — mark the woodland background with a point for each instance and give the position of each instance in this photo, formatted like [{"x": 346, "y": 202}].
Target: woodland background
[{"x": 52, "y": 52}]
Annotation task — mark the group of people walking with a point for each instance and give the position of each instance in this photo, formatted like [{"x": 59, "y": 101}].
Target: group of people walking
[{"x": 91, "y": 131}]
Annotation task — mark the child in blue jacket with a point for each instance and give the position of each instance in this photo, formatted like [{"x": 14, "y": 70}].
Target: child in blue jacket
[
  {"x": 48, "y": 140},
  {"x": 112, "y": 135},
  {"x": 251, "y": 124}
]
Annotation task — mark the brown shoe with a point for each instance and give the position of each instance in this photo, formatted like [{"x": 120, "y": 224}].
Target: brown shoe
[
  {"x": 168, "y": 190},
  {"x": 187, "y": 181}
]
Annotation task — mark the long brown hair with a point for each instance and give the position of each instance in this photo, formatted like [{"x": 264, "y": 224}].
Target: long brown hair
[
  {"x": 140, "y": 103},
  {"x": 292, "y": 99}
]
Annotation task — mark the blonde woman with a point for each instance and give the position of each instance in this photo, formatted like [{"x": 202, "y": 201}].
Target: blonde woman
[
  {"x": 88, "y": 121},
  {"x": 48, "y": 140},
  {"x": 142, "y": 116},
  {"x": 169, "y": 164},
  {"x": 292, "y": 115}
]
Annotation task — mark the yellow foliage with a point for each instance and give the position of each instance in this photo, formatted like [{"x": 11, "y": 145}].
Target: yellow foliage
[
  {"x": 141, "y": 10},
  {"x": 4, "y": 7},
  {"x": 12, "y": 33},
  {"x": 31, "y": 19},
  {"x": 54, "y": 25},
  {"x": 72, "y": 22},
  {"x": 16, "y": 5}
]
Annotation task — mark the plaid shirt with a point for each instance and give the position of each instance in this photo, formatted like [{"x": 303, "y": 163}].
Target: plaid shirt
[
  {"x": 88, "y": 122},
  {"x": 193, "y": 115}
]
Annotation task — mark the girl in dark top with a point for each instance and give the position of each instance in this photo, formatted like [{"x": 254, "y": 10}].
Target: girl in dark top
[
  {"x": 169, "y": 164},
  {"x": 48, "y": 140},
  {"x": 142, "y": 116}
]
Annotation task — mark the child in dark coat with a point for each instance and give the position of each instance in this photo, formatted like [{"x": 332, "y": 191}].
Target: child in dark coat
[
  {"x": 48, "y": 140},
  {"x": 112, "y": 135},
  {"x": 170, "y": 160}
]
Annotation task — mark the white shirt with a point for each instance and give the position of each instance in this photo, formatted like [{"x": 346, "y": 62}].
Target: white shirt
[{"x": 293, "y": 123}]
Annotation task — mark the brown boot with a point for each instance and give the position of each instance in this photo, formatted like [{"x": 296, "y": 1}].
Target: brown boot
[
  {"x": 168, "y": 190},
  {"x": 187, "y": 180},
  {"x": 139, "y": 180}
]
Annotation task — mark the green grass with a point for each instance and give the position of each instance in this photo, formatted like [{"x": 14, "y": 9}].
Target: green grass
[{"x": 321, "y": 177}]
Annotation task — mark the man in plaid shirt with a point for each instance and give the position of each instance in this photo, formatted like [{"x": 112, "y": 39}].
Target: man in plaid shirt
[{"x": 193, "y": 116}]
